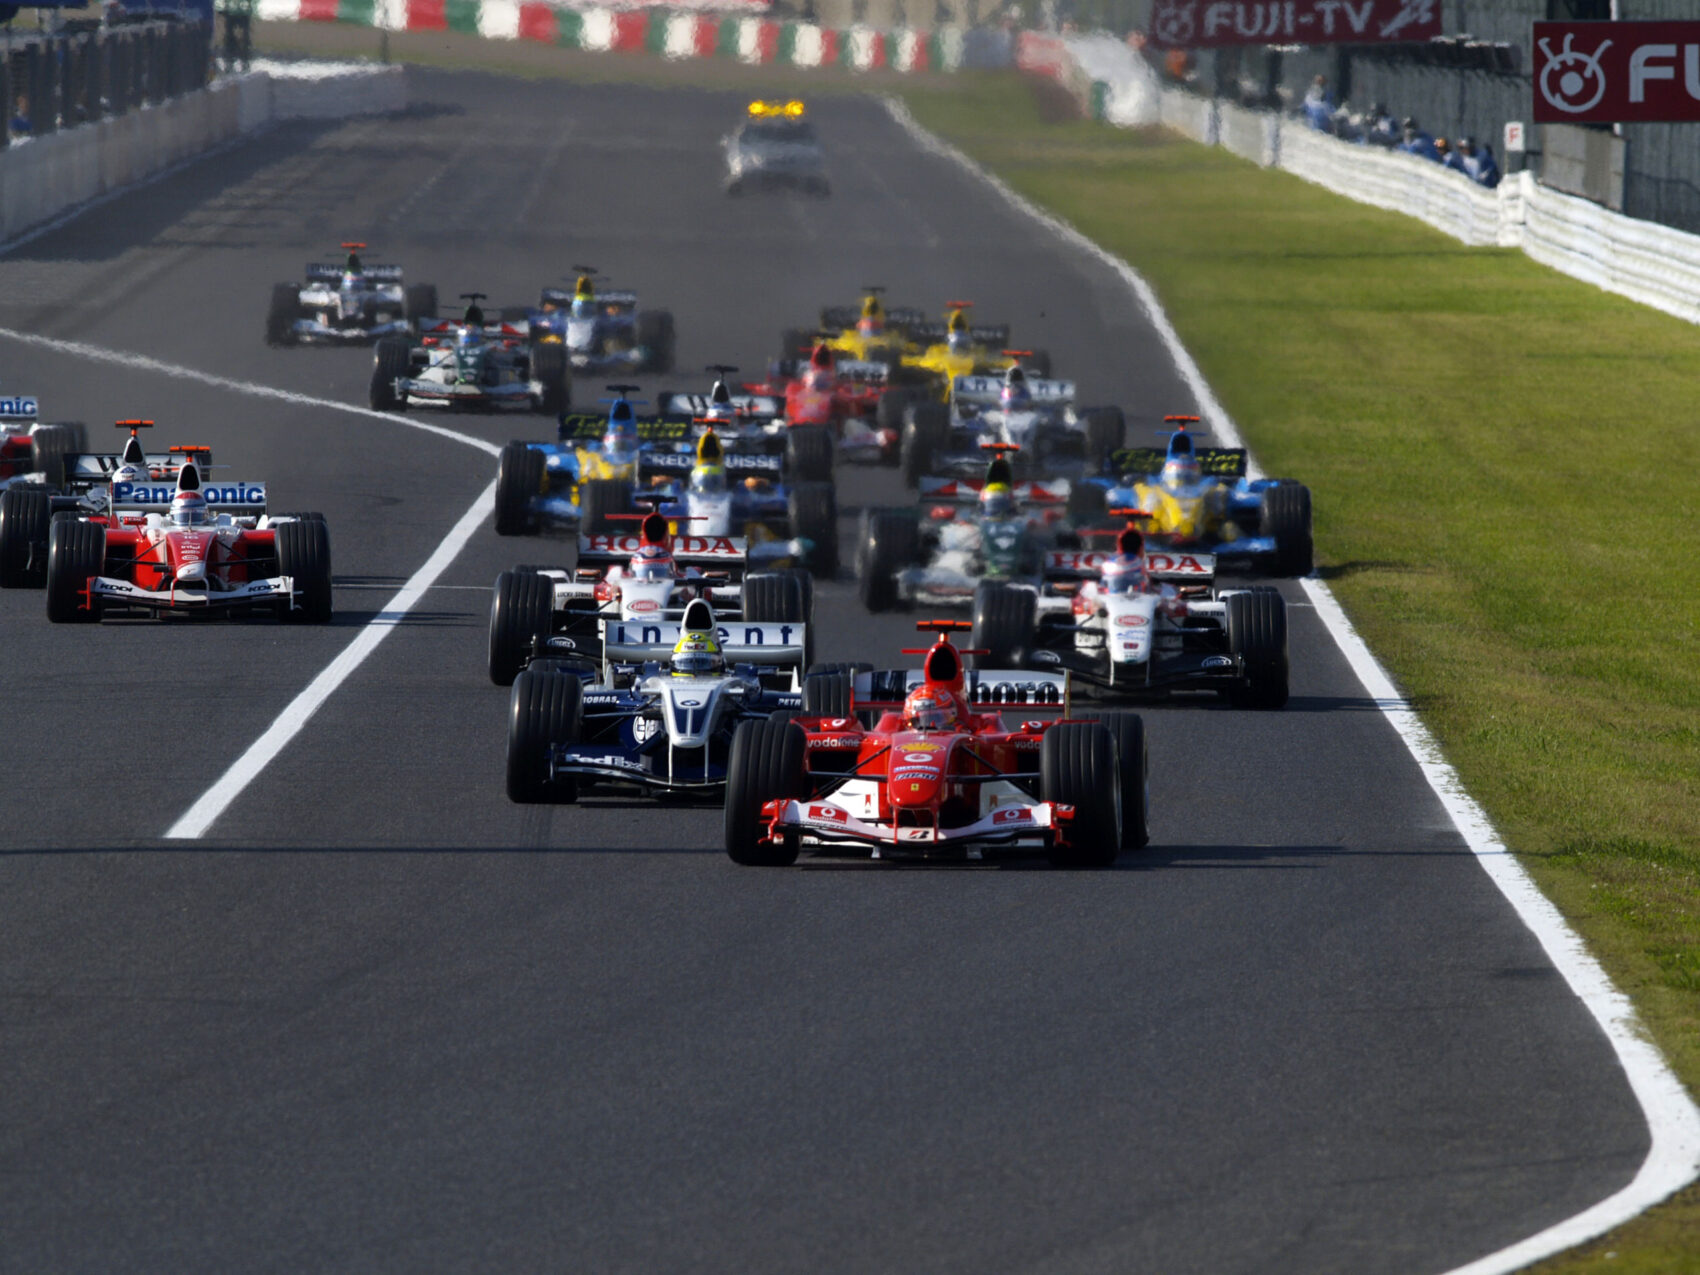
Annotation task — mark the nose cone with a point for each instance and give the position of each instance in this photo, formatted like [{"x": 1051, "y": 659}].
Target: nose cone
[
  {"x": 192, "y": 573},
  {"x": 916, "y": 776}
]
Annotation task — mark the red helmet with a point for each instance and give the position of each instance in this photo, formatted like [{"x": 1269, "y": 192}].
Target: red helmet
[{"x": 931, "y": 708}]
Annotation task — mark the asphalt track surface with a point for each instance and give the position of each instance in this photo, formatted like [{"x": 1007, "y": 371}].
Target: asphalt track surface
[{"x": 379, "y": 1018}]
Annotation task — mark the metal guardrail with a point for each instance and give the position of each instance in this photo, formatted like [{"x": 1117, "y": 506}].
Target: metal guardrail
[{"x": 50, "y": 82}]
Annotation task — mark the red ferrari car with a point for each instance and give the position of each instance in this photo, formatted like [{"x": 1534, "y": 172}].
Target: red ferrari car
[
  {"x": 179, "y": 549},
  {"x": 939, "y": 774},
  {"x": 853, "y": 398}
]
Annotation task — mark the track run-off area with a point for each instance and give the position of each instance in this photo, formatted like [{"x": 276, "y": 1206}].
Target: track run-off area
[{"x": 290, "y": 983}]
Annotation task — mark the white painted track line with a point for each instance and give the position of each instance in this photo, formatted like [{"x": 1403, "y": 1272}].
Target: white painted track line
[
  {"x": 264, "y": 750},
  {"x": 1673, "y": 1159}
]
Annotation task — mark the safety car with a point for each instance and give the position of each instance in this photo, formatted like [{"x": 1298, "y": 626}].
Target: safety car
[
  {"x": 662, "y": 715},
  {"x": 1201, "y": 498},
  {"x": 603, "y": 330},
  {"x": 354, "y": 303},
  {"x": 775, "y": 148},
  {"x": 188, "y": 548},
  {"x": 1133, "y": 620},
  {"x": 470, "y": 364},
  {"x": 649, "y": 574},
  {"x": 940, "y": 773}
]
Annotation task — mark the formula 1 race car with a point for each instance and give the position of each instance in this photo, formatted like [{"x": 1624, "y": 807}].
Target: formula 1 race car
[
  {"x": 602, "y": 331},
  {"x": 1200, "y": 498},
  {"x": 470, "y": 365},
  {"x": 939, "y": 774},
  {"x": 1139, "y": 621},
  {"x": 1036, "y": 415},
  {"x": 652, "y": 575},
  {"x": 28, "y": 509},
  {"x": 33, "y": 451},
  {"x": 852, "y": 399},
  {"x": 938, "y": 552},
  {"x": 957, "y": 347},
  {"x": 869, "y": 333},
  {"x": 354, "y": 304},
  {"x": 662, "y": 717},
  {"x": 189, "y": 549},
  {"x": 775, "y": 148}
]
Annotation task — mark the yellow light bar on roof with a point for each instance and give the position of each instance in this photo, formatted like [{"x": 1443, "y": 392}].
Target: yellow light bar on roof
[{"x": 792, "y": 108}]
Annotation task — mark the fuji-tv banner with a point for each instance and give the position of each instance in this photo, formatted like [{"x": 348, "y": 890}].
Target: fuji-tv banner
[
  {"x": 1617, "y": 72},
  {"x": 1212, "y": 24}
]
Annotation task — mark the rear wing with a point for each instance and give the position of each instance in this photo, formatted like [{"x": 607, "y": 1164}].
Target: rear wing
[
  {"x": 837, "y": 318},
  {"x": 690, "y": 406},
  {"x": 708, "y": 552},
  {"x": 1175, "y": 565},
  {"x": 766, "y": 645},
  {"x": 986, "y": 391},
  {"x": 736, "y": 464},
  {"x": 1216, "y": 462},
  {"x": 996, "y": 335},
  {"x": 587, "y": 427},
  {"x": 499, "y": 331},
  {"x": 964, "y": 491},
  {"x": 320, "y": 272},
  {"x": 91, "y": 469},
  {"x": 564, "y": 297},
  {"x": 865, "y": 371},
  {"x": 984, "y": 689},
  {"x": 242, "y": 499}
]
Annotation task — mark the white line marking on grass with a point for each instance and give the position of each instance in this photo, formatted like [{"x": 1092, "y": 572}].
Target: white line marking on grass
[
  {"x": 263, "y": 751},
  {"x": 1673, "y": 1121}
]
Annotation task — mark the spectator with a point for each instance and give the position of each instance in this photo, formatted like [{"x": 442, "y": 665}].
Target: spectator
[
  {"x": 1475, "y": 162},
  {"x": 1382, "y": 129},
  {"x": 1445, "y": 150},
  {"x": 1416, "y": 142},
  {"x": 1318, "y": 107},
  {"x": 21, "y": 116}
]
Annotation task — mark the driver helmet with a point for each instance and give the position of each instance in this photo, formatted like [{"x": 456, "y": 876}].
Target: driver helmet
[
  {"x": 697, "y": 654},
  {"x": 959, "y": 338},
  {"x": 997, "y": 500},
  {"x": 1181, "y": 470},
  {"x": 189, "y": 509},
  {"x": 708, "y": 480},
  {"x": 930, "y": 708},
  {"x": 651, "y": 562},
  {"x": 872, "y": 321},
  {"x": 1014, "y": 392},
  {"x": 467, "y": 337},
  {"x": 1125, "y": 573}
]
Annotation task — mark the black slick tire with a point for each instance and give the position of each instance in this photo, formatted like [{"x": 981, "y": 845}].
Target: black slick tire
[
  {"x": 808, "y": 454},
  {"x": 545, "y": 709},
  {"x": 552, "y": 370},
  {"x": 281, "y": 315},
  {"x": 76, "y": 551},
  {"x": 1077, "y": 767},
  {"x": 392, "y": 359},
  {"x": 1287, "y": 517},
  {"x": 1106, "y": 429},
  {"x": 827, "y": 694},
  {"x": 891, "y": 542},
  {"x": 814, "y": 517},
  {"x": 773, "y": 597},
  {"x": 1257, "y": 633},
  {"x": 1003, "y": 625},
  {"x": 419, "y": 302},
  {"x": 655, "y": 334},
  {"x": 25, "y": 513},
  {"x": 766, "y": 764},
  {"x": 49, "y": 446},
  {"x": 519, "y": 481},
  {"x": 1128, "y": 730},
  {"x": 926, "y": 429},
  {"x": 597, "y": 499},
  {"x": 521, "y": 611},
  {"x": 304, "y": 554}
]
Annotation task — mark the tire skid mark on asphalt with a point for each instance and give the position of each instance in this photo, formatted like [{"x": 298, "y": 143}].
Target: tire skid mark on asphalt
[
  {"x": 1673, "y": 1120},
  {"x": 289, "y": 723}
]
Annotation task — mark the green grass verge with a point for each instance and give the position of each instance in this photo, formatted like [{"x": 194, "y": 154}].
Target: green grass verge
[{"x": 1504, "y": 462}]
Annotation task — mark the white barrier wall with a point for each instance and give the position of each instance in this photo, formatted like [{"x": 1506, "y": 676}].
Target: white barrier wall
[
  {"x": 1649, "y": 263},
  {"x": 44, "y": 177}
]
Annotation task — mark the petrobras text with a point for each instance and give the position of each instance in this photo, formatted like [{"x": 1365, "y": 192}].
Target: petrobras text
[{"x": 228, "y": 495}]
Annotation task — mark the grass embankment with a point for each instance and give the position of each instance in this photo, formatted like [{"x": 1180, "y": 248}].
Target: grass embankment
[{"x": 1507, "y": 473}]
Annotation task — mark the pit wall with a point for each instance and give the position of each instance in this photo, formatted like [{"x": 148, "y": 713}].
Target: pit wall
[
  {"x": 42, "y": 178},
  {"x": 1647, "y": 262},
  {"x": 677, "y": 34}
]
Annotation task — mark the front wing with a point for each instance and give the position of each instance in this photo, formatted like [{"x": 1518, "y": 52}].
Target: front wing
[
  {"x": 123, "y": 593},
  {"x": 1041, "y": 825}
]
